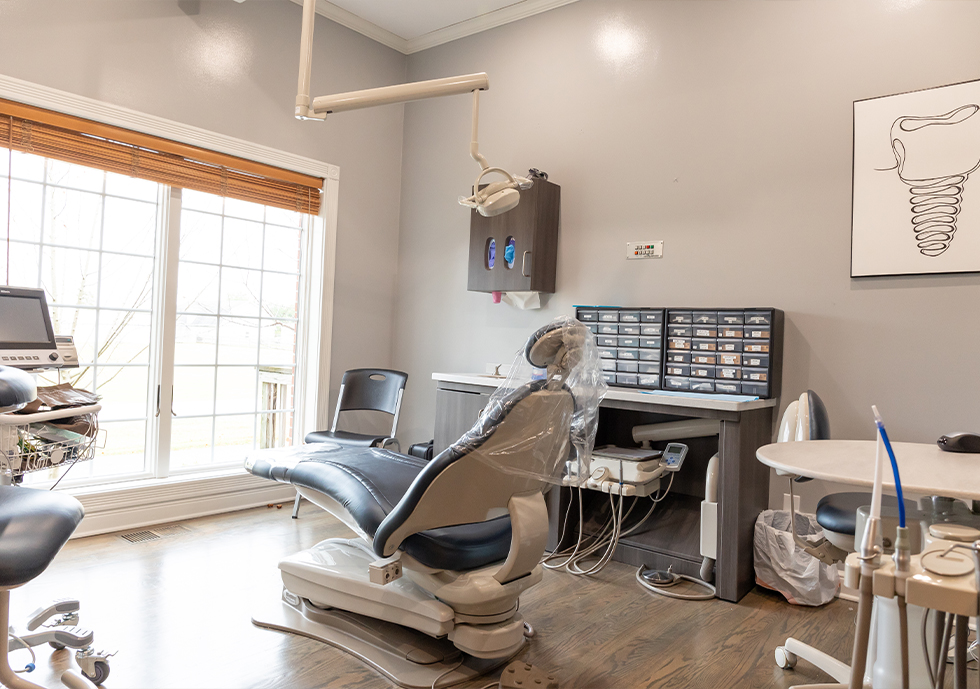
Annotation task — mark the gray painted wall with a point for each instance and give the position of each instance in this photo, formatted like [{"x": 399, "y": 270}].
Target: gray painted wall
[
  {"x": 231, "y": 68},
  {"x": 727, "y": 134}
]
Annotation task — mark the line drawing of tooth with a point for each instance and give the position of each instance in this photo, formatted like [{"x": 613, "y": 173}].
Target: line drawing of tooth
[{"x": 934, "y": 156}]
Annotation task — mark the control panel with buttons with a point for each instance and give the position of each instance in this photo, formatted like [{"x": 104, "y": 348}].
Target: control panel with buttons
[{"x": 30, "y": 357}]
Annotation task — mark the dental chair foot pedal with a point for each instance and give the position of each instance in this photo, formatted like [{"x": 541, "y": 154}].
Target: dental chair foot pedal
[{"x": 521, "y": 675}]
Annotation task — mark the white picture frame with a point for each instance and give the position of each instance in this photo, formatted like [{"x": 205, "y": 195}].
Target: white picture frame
[{"x": 916, "y": 186}]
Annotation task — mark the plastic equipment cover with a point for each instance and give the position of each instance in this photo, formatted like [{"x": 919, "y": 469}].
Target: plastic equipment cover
[{"x": 560, "y": 356}]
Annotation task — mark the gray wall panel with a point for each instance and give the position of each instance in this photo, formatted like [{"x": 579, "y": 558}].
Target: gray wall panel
[{"x": 724, "y": 129}]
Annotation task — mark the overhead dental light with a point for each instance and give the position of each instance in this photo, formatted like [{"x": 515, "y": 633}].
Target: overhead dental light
[{"x": 494, "y": 199}]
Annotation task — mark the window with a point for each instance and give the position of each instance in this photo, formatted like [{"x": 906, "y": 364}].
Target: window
[
  {"x": 99, "y": 243},
  {"x": 237, "y": 319}
]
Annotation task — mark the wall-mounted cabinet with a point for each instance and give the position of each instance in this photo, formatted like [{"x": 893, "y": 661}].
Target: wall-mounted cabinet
[{"x": 532, "y": 230}]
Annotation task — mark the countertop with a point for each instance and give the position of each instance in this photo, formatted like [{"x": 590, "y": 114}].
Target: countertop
[{"x": 734, "y": 403}]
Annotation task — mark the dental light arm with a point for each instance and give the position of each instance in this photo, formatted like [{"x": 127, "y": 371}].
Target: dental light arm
[
  {"x": 497, "y": 197},
  {"x": 318, "y": 108},
  {"x": 400, "y": 93},
  {"x": 474, "y": 136}
]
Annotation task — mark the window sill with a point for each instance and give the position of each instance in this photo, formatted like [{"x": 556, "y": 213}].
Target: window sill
[{"x": 143, "y": 502}]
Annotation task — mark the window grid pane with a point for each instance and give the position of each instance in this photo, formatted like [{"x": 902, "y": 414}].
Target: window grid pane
[
  {"x": 238, "y": 312},
  {"x": 65, "y": 222}
]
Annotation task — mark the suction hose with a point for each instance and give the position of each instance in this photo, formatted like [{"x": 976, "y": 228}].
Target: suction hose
[
  {"x": 710, "y": 495},
  {"x": 859, "y": 656},
  {"x": 708, "y": 569}
]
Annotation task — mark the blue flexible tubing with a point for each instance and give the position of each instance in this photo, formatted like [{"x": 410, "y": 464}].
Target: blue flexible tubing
[{"x": 898, "y": 479}]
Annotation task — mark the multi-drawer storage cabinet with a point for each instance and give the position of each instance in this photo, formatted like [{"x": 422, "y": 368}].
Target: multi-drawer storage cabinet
[
  {"x": 733, "y": 351},
  {"x": 630, "y": 343}
]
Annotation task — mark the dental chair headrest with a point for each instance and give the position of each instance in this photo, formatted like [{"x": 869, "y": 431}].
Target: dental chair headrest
[{"x": 556, "y": 344}]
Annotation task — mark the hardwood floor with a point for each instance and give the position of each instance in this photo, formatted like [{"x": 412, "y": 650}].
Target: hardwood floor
[{"x": 178, "y": 612}]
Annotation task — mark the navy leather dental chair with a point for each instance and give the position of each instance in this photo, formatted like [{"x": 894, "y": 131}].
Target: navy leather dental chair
[
  {"x": 34, "y": 526},
  {"x": 447, "y": 546}
]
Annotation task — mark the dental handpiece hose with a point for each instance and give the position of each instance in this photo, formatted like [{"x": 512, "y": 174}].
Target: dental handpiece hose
[
  {"x": 870, "y": 556},
  {"x": 903, "y": 561}
]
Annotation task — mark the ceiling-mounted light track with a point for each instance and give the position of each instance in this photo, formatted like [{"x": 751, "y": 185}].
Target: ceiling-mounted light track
[{"x": 494, "y": 199}]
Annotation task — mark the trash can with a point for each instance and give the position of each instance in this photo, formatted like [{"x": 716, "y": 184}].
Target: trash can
[{"x": 782, "y": 566}]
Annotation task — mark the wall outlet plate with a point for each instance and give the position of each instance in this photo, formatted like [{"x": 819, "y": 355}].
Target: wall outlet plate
[{"x": 635, "y": 250}]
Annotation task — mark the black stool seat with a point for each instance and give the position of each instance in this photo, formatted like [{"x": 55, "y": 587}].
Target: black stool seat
[
  {"x": 369, "y": 483},
  {"x": 837, "y": 512},
  {"x": 34, "y": 526}
]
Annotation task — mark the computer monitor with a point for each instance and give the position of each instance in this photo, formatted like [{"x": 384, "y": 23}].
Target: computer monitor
[{"x": 26, "y": 336}]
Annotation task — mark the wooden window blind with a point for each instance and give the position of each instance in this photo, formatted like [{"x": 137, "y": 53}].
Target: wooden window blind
[{"x": 75, "y": 140}]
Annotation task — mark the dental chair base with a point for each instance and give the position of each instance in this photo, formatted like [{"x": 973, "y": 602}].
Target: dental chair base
[
  {"x": 328, "y": 595},
  {"x": 404, "y": 656}
]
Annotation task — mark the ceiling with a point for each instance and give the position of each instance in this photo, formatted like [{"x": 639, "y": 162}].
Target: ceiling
[{"x": 413, "y": 25}]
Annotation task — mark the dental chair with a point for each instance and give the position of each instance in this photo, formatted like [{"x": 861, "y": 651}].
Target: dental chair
[
  {"x": 34, "y": 526},
  {"x": 428, "y": 593}
]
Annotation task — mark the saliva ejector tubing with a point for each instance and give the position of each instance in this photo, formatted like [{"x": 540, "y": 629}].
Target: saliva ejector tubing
[{"x": 870, "y": 559}]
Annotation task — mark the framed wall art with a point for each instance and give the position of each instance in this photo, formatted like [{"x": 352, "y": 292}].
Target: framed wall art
[{"x": 916, "y": 199}]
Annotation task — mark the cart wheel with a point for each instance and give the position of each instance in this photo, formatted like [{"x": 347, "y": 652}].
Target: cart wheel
[
  {"x": 101, "y": 672},
  {"x": 56, "y": 646},
  {"x": 785, "y": 659}
]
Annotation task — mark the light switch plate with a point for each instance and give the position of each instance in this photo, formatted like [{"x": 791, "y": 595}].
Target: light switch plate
[{"x": 635, "y": 250}]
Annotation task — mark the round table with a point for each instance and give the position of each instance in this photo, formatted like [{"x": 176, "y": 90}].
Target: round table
[{"x": 924, "y": 468}]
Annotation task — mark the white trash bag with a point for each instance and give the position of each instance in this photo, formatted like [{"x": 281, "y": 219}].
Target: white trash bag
[{"x": 781, "y": 566}]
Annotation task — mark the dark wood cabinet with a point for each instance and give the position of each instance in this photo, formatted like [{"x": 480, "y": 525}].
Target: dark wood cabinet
[
  {"x": 533, "y": 228},
  {"x": 456, "y": 412}
]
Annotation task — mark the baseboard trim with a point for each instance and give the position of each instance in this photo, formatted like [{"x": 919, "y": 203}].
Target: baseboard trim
[{"x": 123, "y": 507}]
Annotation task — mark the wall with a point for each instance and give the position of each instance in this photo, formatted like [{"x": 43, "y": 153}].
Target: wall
[
  {"x": 724, "y": 129},
  {"x": 231, "y": 68}
]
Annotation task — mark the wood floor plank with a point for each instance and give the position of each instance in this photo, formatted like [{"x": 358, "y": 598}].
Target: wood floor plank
[{"x": 178, "y": 611}]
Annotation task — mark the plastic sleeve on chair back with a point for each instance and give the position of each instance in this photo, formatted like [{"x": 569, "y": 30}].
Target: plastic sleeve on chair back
[{"x": 488, "y": 466}]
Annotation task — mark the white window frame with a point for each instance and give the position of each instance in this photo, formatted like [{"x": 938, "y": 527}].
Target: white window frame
[{"x": 313, "y": 355}]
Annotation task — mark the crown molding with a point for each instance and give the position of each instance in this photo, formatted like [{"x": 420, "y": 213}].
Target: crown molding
[
  {"x": 505, "y": 15},
  {"x": 361, "y": 26},
  {"x": 485, "y": 22}
]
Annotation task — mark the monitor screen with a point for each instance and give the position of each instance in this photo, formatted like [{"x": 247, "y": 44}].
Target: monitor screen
[{"x": 23, "y": 319}]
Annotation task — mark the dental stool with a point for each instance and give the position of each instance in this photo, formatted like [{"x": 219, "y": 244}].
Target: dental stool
[
  {"x": 429, "y": 592},
  {"x": 842, "y": 515},
  {"x": 34, "y": 526}
]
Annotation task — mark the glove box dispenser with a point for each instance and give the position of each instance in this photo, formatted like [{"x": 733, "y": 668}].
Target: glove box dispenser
[{"x": 517, "y": 251}]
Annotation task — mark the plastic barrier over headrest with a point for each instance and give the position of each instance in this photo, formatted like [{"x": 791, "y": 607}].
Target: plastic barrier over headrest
[{"x": 563, "y": 356}]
